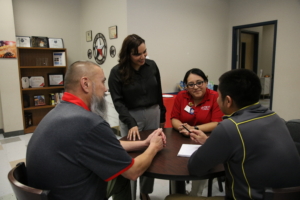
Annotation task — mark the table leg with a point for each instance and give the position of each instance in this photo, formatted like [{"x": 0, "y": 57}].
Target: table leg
[
  {"x": 177, "y": 187},
  {"x": 133, "y": 189},
  {"x": 209, "y": 187}
]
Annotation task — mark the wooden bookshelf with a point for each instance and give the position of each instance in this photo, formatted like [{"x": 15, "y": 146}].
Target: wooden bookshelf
[{"x": 28, "y": 66}]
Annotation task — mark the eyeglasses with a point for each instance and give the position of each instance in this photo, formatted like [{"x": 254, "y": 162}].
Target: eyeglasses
[{"x": 192, "y": 85}]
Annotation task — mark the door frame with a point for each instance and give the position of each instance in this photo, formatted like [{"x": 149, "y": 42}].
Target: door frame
[{"x": 234, "y": 55}]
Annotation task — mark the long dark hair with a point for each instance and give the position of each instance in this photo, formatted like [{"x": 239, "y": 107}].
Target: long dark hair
[{"x": 130, "y": 43}]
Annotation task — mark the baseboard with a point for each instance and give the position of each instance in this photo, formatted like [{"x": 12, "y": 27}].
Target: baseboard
[
  {"x": 1, "y": 131},
  {"x": 13, "y": 133}
]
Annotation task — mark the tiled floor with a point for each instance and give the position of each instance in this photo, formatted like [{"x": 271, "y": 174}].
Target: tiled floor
[{"x": 13, "y": 151}]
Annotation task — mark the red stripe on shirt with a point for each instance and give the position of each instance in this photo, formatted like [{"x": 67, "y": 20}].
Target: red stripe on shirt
[
  {"x": 121, "y": 172},
  {"x": 75, "y": 100}
]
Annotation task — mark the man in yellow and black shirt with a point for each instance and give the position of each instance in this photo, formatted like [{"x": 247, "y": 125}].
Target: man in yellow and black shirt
[{"x": 252, "y": 142}]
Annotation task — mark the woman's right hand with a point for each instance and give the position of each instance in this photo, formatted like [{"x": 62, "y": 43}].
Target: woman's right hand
[
  {"x": 183, "y": 131},
  {"x": 133, "y": 134}
]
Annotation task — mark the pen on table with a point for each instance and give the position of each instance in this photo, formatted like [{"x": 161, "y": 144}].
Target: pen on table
[{"x": 186, "y": 128}]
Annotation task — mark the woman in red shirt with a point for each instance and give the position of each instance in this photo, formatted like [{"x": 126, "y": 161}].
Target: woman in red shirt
[{"x": 196, "y": 107}]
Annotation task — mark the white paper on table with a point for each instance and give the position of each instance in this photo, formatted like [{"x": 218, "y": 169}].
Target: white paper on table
[
  {"x": 167, "y": 95},
  {"x": 187, "y": 150}
]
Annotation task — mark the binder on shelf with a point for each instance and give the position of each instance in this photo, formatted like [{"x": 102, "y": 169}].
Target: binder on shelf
[{"x": 59, "y": 58}]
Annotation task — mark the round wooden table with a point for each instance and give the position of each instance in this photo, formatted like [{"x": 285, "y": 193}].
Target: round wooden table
[{"x": 167, "y": 165}]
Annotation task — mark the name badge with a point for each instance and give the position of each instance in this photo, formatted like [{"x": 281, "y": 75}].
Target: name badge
[{"x": 188, "y": 109}]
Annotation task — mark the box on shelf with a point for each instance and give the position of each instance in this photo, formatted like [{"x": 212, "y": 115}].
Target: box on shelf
[
  {"x": 59, "y": 58},
  {"x": 39, "y": 100}
]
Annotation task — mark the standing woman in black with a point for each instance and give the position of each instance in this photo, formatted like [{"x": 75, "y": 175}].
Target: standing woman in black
[{"x": 135, "y": 89}]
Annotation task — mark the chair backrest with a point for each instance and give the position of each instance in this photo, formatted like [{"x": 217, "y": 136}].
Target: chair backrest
[
  {"x": 291, "y": 193},
  {"x": 294, "y": 128},
  {"x": 18, "y": 181}
]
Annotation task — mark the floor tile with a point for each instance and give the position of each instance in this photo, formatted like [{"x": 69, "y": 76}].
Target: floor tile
[
  {"x": 1, "y": 148},
  {"x": 9, "y": 140},
  {"x": 8, "y": 197},
  {"x": 5, "y": 187},
  {"x": 15, "y": 162},
  {"x": 26, "y": 138},
  {"x": 3, "y": 159},
  {"x": 15, "y": 150}
]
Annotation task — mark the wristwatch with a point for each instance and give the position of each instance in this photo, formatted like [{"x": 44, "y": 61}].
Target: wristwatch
[{"x": 196, "y": 127}]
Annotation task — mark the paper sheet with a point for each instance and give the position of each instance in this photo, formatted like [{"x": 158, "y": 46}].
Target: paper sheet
[{"x": 187, "y": 150}]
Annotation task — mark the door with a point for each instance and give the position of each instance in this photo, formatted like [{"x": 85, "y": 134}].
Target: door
[
  {"x": 248, "y": 50},
  {"x": 251, "y": 49}
]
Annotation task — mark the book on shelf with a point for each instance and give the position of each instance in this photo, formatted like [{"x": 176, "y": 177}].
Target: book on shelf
[{"x": 59, "y": 58}]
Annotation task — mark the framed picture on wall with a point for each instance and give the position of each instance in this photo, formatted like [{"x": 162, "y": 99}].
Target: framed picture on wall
[
  {"x": 89, "y": 36},
  {"x": 113, "y": 32}
]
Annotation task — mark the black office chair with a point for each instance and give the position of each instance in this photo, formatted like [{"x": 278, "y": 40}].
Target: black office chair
[
  {"x": 294, "y": 129},
  {"x": 18, "y": 181},
  {"x": 210, "y": 183},
  {"x": 292, "y": 193}
]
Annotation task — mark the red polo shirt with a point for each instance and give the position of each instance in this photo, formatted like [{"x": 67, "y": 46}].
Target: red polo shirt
[{"x": 206, "y": 111}]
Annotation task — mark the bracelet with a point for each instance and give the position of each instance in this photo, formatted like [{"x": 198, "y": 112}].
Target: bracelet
[{"x": 196, "y": 127}]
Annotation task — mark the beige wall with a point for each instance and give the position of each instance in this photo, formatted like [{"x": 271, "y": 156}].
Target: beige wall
[
  {"x": 54, "y": 18},
  {"x": 11, "y": 118},
  {"x": 285, "y": 98},
  {"x": 98, "y": 16},
  {"x": 179, "y": 35}
]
